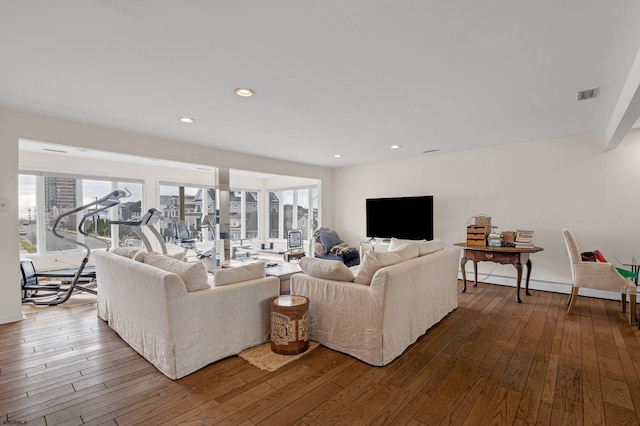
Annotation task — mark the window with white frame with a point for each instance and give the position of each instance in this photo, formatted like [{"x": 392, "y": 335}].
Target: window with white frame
[
  {"x": 189, "y": 203},
  {"x": 293, "y": 209},
  {"x": 244, "y": 215},
  {"x": 44, "y": 197}
]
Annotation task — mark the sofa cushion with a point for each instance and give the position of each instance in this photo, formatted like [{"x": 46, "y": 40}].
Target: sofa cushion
[
  {"x": 250, "y": 271},
  {"x": 194, "y": 275},
  {"x": 328, "y": 239},
  {"x": 328, "y": 269},
  {"x": 425, "y": 246},
  {"x": 374, "y": 260},
  {"x": 131, "y": 253}
]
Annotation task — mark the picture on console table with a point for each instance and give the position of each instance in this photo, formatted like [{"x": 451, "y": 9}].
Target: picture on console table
[{"x": 408, "y": 218}]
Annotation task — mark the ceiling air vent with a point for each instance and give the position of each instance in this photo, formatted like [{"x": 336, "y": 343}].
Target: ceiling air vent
[
  {"x": 587, "y": 94},
  {"x": 430, "y": 151}
]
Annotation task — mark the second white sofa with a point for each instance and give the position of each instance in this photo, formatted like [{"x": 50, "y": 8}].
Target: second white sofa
[{"x": 392, "y": 305}]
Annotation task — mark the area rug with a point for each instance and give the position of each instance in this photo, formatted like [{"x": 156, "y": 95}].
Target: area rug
[
  {"x": 74, "y": 300},
  {"x": 265, "y": 359}
]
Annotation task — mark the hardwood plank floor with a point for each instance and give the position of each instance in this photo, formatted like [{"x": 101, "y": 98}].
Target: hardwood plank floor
[{"x": 491, "y": 361}]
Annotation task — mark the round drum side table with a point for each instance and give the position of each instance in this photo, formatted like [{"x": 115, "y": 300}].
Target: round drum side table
[{"x": 289, "y": 325}]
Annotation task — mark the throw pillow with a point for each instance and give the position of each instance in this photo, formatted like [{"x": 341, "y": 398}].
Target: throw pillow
[
  {"x": 250, "y": 271},
  {"x": 328, "y": 269},
  {"x": 394, "y": 243},
  {"x": 599, "y": 256},
  {"x": 194, "y": 275},
  {"x": 131, "y": 253},
  {"x": 373, "y": 261},
  {"x": 407, "y": 251},
  {"x": 425, "y": 246},
  {"x": 179, "y": 256},
  {"x": 328, "y": 239}
]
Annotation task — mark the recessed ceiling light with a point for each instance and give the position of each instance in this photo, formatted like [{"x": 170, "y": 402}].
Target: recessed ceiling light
[
  {"x": 337, "y": 156},
  {"x": 186, "y": 120},
  {"x": 244, "y": 92},
  {"x": 395, "y": 146}
]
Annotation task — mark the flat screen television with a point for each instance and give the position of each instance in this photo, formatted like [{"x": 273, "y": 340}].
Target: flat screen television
[{"x": 408, "y": 218}]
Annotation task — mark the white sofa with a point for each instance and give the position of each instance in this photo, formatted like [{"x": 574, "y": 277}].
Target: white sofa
[
  {"x": 377, "y": 322},
  {"x": 181, "y": 331}
]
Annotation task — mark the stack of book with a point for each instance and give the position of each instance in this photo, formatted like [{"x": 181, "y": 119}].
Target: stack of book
[{"x": 524, "y": 238}]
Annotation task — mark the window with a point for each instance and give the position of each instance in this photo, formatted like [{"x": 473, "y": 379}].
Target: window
[
  {"x": 287, "y": 210},
  {"x": 251, "y": 215},
  {"x": 302, "y": 210},
  {"x": 244, "y": 213},
  {"x": 293, "y": 209},
  {"x": 274, "y": 214},
  {"x": 45, "y": 198},
  {"x": 314, "y": 210},
  {"x": 97, "y": 226},
  {"x": 129, "y": 210},
  {"x": 189, "y": 204},
  {"x": 27, "y": 214}
]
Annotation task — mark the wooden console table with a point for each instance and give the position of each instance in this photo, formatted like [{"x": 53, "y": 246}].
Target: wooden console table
[{"x": 515, "y": 256}]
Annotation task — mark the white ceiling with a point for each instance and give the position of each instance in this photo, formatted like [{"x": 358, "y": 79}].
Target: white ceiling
[{"x": 350, "y": 77}]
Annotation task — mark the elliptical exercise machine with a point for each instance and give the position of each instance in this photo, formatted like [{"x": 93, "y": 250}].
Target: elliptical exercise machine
[
  {"x": 60, "y": 295},
  {"x": 150, "y": 218}
]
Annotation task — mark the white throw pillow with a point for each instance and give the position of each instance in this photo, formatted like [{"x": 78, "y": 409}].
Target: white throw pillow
[
  {"x": 194, "y": 275},
  {"x": 374, "y": 260},
  {"x": 179, "y": 256},
  {"x": 131, "y": 253},
  {"x": 424, "y": 246},
  {"x": 327, "y": 269},
  {"x": 250, "y": 271},
  {"x": 407, "y": 251}
]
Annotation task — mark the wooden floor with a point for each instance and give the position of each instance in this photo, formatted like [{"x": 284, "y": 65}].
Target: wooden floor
[{"x": 491, "y": 361}]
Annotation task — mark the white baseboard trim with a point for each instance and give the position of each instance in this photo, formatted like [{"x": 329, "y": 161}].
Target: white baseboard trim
[{"x": 554, "y": 287}]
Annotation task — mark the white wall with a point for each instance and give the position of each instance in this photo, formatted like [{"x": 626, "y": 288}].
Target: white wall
[
  {"x": 15, "y": 125},
  {"x": 544, "y": 186}
]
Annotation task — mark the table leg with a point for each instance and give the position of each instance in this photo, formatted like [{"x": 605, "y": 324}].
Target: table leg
[
  {"x": 464, "y": 274},
  {"x": 475, "y": 273},
  {"x": 528, "y": 275},
  {"x": 518, "y": 266}
]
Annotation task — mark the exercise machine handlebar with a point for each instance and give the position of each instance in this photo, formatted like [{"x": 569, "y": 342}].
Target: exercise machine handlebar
[{"x": 104, "y": 203}]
